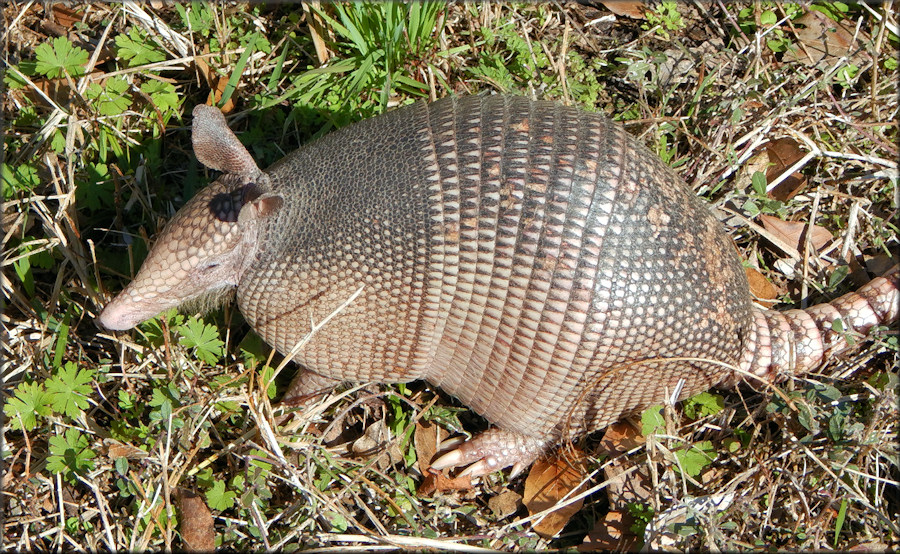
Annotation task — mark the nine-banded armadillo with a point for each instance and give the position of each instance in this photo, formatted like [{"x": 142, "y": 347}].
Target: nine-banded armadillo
[{"x": 531, "y": 259}]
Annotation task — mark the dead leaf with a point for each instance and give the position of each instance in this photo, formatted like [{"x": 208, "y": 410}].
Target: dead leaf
[
  {"x": 197, "y": 529},
  {"x": 376, "y": 437},
  {"x": 793, "y": 233},
  {"x": 628, "y": 8},
  {"x": 427, "y": 438},
  {"x": 548, "y": 482},
  {"x": 436, "y": 481},
  {"x": 116, "y": 449},
  {"x": 762, "y": 290},
  {"x": 614, "y": 531},
  {"x": 821, "y": 36},
  {"x": 216, "y": 83},
  {"x": 757, "y": 163},
  {"x": 316, "y": 31},
  {"x": 203, "y": 67},
  {"x": 215, "y": 96},
  {"x": 621, "y": 437},
  {"x": 624, "y": 489},
  {"x": 612, "y": 534},
  {"x": 782, "y": 154},
  {"x": 65, "y": 16},
  {"x": 505, "y": 504}
]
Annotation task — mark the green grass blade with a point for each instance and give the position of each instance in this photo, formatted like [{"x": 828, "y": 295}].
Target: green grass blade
[
  {"x": 239, "y": 69},
  {"x": 276, "y": 73}
]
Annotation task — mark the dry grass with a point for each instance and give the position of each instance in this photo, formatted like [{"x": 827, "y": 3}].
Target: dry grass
[{"x": 800, "y": 470}]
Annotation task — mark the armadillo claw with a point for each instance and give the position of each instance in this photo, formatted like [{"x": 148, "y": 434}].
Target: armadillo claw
[{"x": 492, "y": 451}]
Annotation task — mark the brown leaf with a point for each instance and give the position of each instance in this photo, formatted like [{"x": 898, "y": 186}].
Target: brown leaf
[
  {"x": 66, "y": 16},
  {"x": 316, "y": 31},
  {"x": 436, "y": 481},
  {"x": 611, "y": 534},
  {"x": 761, "y": 288},
  {"x": 197, "y": 529},
  {"x": 793, "y": 233},
  {"x": 426, "y": 438},
  {"x": 215, "y": 96},
  {"x": 628, "y": 8},
  {"x": 116, "y": 449},
  {"x": 782, "y": 154},
  {"x": 624, "y": 488},
  {"x": 757, "y": 163},
  {"x": 203, "y": 67},
  {"x": 621, "y": 437},
  {"x": 504, "y": 504},
  {"x": 376, "y": 441},
  {"x": 548, "y": 482},
  {"x": 216, "y": 83},
  {"x": 822, "y": 37}
]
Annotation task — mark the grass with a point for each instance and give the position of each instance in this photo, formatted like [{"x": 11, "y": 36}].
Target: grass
[{"x": 105, "y": 436}]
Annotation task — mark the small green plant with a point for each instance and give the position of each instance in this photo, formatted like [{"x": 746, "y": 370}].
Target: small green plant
[
  {"x": 846, "y": 75},
  {"x": 203, "y": 340},
  {"x": 69, "y": 390},
  {"x": 759, "y": 202},
  {"x": 32, "y": 255},
  {"x": 29, "y": 403},
  {"x": 703, "y": 404},
  {"x": 400, "y": 424},
  {"x": 777, "y": 40},
  {"x": 821, "y": 408},
  {"x": 66, "y": 393},
  {"x": 642, "y": 514},
  {"x": 664, "y": 18},
  {"x": 694, "y": 458},
  {"x": 136, "y": 49},
  {"x": 70, "y": 455},
  {"x": 23, "y": 178},
  {"x": 652, "y": 421},
  {"x": 837, "y": 11},
  {"x": 667, "y": 147},
  {"x": 60, "y": 58},
  {"x": 691, "y": 458},
  {"x": 220, "y": 498},
  {"x": 196, "y": 16},
  {"x": 112, "y": 98}
]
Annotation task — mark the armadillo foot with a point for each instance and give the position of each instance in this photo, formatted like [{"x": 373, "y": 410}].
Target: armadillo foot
[{"x": 492, "y": 451}]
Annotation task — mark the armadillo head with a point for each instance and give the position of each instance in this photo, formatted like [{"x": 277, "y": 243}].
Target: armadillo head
[{"x": 209, "y": 243}]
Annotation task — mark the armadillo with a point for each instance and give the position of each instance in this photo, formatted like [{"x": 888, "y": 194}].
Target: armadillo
[{"x": 531, "y": 259}]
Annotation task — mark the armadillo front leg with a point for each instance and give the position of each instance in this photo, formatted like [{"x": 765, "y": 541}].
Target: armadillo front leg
[{"x": 492, "y": 451}]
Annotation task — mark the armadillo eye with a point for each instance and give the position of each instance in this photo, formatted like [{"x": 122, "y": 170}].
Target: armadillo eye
[{"x": 208, "y": 267}]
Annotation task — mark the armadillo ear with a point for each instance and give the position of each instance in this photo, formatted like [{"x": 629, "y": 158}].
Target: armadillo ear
[
  {"x": 215, "y": 144},
  {"x": 259, "y": 207}
]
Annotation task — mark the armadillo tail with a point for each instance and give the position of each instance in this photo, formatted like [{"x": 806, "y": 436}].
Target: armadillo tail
[{"x": 794, "y": 342}]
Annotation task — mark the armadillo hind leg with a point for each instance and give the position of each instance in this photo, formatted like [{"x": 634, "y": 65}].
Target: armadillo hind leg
[
  {"x": 306, "y": 386},
  {"x": 492, "y": 451}
]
